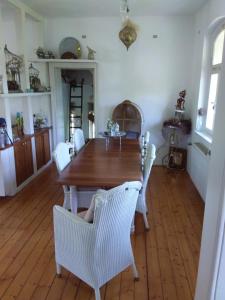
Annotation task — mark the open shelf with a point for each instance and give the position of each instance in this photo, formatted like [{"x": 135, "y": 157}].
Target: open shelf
[
  {"x": 56, "y": 60},
  {"x": 18, "y": 95}
]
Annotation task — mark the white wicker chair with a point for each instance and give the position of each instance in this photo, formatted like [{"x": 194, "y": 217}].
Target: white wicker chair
[
  {"x": 72, "y": 197},
  {"x": 141, "y": 203},
  {"x": 147, "y": 137},
  {"x": 99, "y": 251},
  {"x": 78, "y": 139}
]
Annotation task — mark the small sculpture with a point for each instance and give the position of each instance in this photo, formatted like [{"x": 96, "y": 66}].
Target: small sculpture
[
  {"x": 181, "y": 100},
  {"x": 91, "y": 53},
  {"x": 44, "y": 54}
]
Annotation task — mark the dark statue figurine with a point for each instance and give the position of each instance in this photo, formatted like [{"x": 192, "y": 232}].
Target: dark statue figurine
[{"x": 181, "y": 100}]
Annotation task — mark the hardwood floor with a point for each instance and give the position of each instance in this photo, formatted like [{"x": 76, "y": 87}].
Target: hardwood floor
[{"x": 166, "y": 256}]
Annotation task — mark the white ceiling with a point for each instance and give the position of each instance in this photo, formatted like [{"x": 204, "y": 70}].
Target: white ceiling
[{"x": 101, "y": 8}]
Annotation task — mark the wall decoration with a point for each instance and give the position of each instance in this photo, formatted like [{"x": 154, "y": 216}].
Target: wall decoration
[
  {"x": 72, "y": 46},
  {"x": 177, "y": 158}
]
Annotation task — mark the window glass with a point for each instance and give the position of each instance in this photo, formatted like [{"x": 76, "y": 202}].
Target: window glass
[
  {"x": 218, "y": 48},
  {"x": 212, "y": 101}
]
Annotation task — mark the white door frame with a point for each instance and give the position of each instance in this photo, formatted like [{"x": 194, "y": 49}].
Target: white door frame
[
  {"x": 53, "y": 67},
  {"x": 212, "y": 256}
]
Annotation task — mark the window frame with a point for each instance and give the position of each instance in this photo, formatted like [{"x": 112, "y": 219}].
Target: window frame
[{"x": 208, "y": 69}]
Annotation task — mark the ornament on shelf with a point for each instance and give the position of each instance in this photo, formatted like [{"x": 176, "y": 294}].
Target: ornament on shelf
[
  {"x": 44, "y": 54},
  {"x": 35, "y": 82},
  {"x": 181, "y": 100},
  {"x": 40, "y": 120},
  {"x": 91, "y": 53},
  {"x": 14, "y": 66}
]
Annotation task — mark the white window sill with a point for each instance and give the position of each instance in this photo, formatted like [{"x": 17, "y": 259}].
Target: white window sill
[{"x": 205, "y": 136}]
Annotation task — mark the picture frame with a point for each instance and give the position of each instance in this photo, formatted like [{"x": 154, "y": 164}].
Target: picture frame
[{"x": 177, "y": 158}]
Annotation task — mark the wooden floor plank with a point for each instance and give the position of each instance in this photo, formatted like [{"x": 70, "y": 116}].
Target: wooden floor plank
[
  {"x": 170, "y": 229},
  {"x": 154, "y": 272},
  {"x": 166, "y": 256}
]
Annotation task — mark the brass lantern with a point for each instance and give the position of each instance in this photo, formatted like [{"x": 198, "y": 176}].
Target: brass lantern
[{"x": 128, "y": 34}]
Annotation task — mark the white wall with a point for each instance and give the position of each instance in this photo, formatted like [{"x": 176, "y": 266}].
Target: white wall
[{"x": 151, "y": 73}]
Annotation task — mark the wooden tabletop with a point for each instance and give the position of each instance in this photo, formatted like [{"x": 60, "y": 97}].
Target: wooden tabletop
[{"x": 98, "y": 166}]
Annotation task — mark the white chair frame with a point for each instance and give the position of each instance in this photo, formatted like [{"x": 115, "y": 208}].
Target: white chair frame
[
  {"x": 72, "y": 197},
  {"x": 141, "y": 203},
  {"x": 78, "y": 139},
  {"x": 99, "y": 251}
]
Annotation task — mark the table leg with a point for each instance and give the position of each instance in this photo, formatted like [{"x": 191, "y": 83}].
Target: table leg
[
  {"x": 107, "y": 143},
  {"x": 73, "y": 199}
]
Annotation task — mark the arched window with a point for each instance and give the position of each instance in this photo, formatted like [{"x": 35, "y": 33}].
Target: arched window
[{"x": 216, "y": 59}]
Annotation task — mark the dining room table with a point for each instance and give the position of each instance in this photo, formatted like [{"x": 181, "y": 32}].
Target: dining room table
[{"x": 98, "y": 165}]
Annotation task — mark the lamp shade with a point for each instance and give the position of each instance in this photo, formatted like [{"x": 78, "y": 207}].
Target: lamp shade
[{"x": 128, "y": 34}]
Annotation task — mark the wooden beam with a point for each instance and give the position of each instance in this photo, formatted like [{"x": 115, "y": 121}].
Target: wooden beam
[{"x": 27, "y": 10}]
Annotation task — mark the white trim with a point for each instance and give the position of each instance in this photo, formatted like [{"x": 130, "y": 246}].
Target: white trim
[
  {"x": 18, "y": 95},
  {"x": 213, "y": 227},
  {"x": 74, "y": 65},
  {"x": 27, "y": 10},
  {"x": 60, "y": 60},
  {"x": 207, "y": 70},
  {"x": 205, "y": 136}
]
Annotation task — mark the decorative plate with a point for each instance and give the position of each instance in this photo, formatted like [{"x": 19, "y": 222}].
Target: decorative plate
[{"x": 70, "y": 44}]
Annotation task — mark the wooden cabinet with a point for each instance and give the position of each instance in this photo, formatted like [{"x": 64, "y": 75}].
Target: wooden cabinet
[
  {"x": 42, "y": 145},
  {"x": 23, "y": 160}
]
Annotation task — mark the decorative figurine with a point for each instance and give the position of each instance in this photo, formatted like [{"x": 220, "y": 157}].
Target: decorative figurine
[
  {"x": 40, "y": 52},
  {"x": 91, "y": 53},
  {"x": 181, "y": 100},
  {"x": 44, "y": 54}
]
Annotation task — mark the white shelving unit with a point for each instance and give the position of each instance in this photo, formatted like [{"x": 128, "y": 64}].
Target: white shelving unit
[
  {"x": 23, "y": 95},
  {"x": 21, "y": 29},
  {"x": 59, "y": 60}
]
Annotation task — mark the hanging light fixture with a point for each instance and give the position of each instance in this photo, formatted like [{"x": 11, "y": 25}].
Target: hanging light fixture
[{"x": 128, "y": 33}]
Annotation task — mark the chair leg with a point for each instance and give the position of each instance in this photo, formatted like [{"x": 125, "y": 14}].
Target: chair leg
[
  {"x": 73, "y": 199},
  {"x": 132, "y": 230},
  {"x": 145, "y": 221},
  {"x": 97, "y": 294},
  {"x": 135, "y": 272},
  {"x": 58, "y": 270}
]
